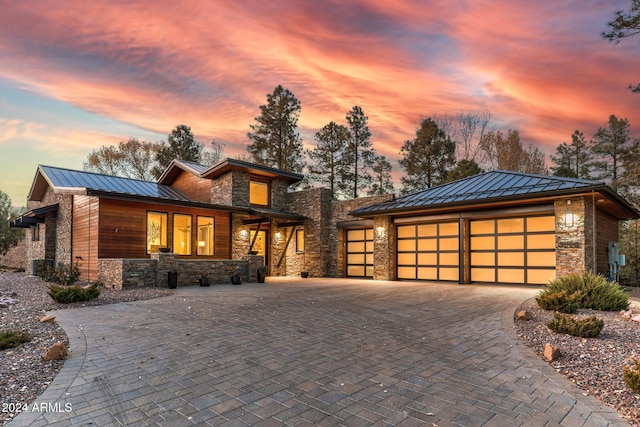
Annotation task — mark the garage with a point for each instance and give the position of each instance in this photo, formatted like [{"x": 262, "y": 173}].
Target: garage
[
  {"x": 359, "y": 253},
  {"x": 513, "y": 250}
]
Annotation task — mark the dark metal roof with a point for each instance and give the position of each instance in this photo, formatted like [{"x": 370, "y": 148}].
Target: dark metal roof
[
  {"x": 273, "y": 213},
  {"x": 32, "y": 217},
  {"x": 487, "y": 187},
  {"x": 230, "y": 164},
  {"x": 66, "y": 179}
]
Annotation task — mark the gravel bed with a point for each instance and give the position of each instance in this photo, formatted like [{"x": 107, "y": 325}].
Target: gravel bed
[
  {"x": 24, "y": 374},
  {"x": 593, "y": 364}
]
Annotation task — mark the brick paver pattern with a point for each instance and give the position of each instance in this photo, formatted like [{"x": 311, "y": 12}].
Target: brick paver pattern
[{"x": 311, "y": 352}]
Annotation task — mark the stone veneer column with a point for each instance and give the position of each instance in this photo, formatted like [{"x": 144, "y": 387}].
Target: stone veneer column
[
  {"x": 574, "y": 242},
  {"x": 383, "y": 237},
  {"x": 165, "y": 262}
]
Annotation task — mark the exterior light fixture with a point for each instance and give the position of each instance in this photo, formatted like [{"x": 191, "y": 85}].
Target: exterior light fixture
[
  {"x": 244, "y": 234},
  {"x": 380, "y": 232},
  {"x": 569, "y": 219},
  {"x": 201, "y": 243}
]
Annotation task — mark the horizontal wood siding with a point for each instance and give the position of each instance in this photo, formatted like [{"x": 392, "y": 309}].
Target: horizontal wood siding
[
  {"x": 607, "y": 231},
  {"x": 196, "y": 188},
  {"x": 123, "y": 229},
  {"x": 84, "y": 236}
]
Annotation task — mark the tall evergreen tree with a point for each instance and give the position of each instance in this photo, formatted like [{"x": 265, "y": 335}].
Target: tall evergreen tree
[
  {"x": 180, "y": 145},
  {"x": 381, "y": 179},
  {"x": 326, "y": 158},
  {"x": 572, "y": 160},
  {"x": 463, "y": 169},
  {"x": 426, "y": 159},
  {"x": 507, "y": 153},
  {"x": 609, "y": 146},
  {"x": 624, "y": 25},
  {"x": 275, "y": 140},
  {"x": 359, "y": 155}
]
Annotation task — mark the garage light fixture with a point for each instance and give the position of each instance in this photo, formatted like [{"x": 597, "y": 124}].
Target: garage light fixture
[{"x": 569, "y": 219}]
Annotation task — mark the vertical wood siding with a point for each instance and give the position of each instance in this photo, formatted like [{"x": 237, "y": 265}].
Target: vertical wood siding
[
  {"x": 84, "y": 236},
  {"x": 194, "y": 187},
  {"x": 606, "y": 231}
]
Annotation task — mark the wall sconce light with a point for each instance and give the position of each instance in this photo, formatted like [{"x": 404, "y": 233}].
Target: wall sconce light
[
  {"x": 278, "y": 236},
  {"x": 244, "y": 234},
  {"x": 201, "y": 243},
  {"x": 380, "y": 232},
  {"x": 569, "y": 219}
]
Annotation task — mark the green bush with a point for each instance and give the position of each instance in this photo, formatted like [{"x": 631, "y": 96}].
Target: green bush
[
  {"x": 560, "y": 301},
  {"x": 69, "y": 294},
  {"x": 44, "y": 270},
  {"x": 10, "y": 339},
  {"x": 67, "y": 274},
  {"x": 632, "y": 376},
  {"x": 597, "y": 292},
  {"x": 589, "y": 327}
]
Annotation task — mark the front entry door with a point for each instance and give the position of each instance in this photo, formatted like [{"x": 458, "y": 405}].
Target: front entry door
[{"x": 260, "y": 244}]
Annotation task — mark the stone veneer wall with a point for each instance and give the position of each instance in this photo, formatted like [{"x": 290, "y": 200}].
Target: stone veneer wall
[
  {"x": 279, "y": 194},
  {"x": 221, "y": 190},
  {"x": 315, "y": 204},
  {"x": 130, "y": 273},
  {"x": 384, "y": 267},
  {"x": 55, "y": 234},
  {"x": 575, "y": 244}
]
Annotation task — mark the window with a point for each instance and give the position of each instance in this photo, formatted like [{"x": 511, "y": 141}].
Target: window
[
  {"x": 156, "y": 231},
  {"x": 205, "y": 235},
  {"x": 182, "y": 234},
  {"x": 300, "y": 240},
  {"x": 259, "y": 193},
  {"x": 35, "y": 233}
]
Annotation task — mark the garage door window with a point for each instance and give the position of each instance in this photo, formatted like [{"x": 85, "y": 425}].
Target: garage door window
[
  {"x": 428, "y": 251},
  {"x": 360, "y": 253}
]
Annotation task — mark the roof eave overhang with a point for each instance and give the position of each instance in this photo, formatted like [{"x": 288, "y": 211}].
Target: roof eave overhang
[
  {"x": 164, "y": 201},
  {"x": 506, "y": 200},
  {"x": 234, "y": 164}
]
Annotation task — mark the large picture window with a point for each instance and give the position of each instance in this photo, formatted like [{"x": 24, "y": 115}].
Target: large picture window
[
  {"x": 156, "y": 231},
  {"x": 182, "y": 234},
  {"x": 259, "y": 193},
  {"x": 205, "y": 226}
]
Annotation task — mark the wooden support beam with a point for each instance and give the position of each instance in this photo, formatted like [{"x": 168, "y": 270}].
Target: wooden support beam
[
  {"x": 286, "y": 245},
  {"x": 256, "y": 221},
  {"x": 291, "y": 224}
]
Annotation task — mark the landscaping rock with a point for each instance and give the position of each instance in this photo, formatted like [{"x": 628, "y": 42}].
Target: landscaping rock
[
  {"x": 58, "y": 351},
  {"x": 523, "y": 315},
  {"x": 551, "y": 352},
  {"x": 48, "y": 319}
]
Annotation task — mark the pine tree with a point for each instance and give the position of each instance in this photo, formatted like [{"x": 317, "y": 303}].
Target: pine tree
[
  {"x": 382, "y": 183},
  {"x": 359, "y": 155},
  {"x": 180, "y": 145},
  {"x": 275, "y": 140},
  {"x": 609, "y": 146},
  {"x": 427, "y": 158},
  {"x": 327, "y": 165},
  {"x": 572, "y": 160}
]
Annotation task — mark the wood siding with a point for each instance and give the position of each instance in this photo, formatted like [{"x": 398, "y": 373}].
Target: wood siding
[
  {"x": 606, "y": 231},
  {"x": 123, "y": 229},
  {"x": 84, "y": 236},
  {"x": 196, "y": 188}
]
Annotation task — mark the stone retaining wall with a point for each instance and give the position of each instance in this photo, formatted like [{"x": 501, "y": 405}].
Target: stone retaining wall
[{"x": 117, "y": 273}]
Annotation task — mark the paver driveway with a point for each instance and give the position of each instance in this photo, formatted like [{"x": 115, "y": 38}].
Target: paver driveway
[{"x": 314, "y": 352}]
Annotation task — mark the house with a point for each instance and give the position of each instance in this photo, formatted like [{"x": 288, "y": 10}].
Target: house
[{"x": 235, "y": 216}]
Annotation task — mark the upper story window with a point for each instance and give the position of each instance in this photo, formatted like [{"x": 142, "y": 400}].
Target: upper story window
[{"x": 259, "y": 193}]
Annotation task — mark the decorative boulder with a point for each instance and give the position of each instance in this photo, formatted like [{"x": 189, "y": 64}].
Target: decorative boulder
[
  {"x": 57, "y": 351},
  {"x": 523, "y": 315},
  {"x": 551, "y": 352}
]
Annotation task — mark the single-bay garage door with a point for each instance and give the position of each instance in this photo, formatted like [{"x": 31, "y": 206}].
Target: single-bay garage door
[
  {"x": 513, "y": 250},
  {"x": 428, "y": 251},
  {"x": 359, "y": 254}
]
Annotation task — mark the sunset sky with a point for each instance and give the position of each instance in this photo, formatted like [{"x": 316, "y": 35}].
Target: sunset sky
[{"x": 76, "y": 75}]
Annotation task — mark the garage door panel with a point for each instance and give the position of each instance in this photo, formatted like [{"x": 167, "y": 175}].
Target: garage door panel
[
  {"x": 524, "y": 249},
  {"x": 359, "y": 254},
  {"x": 432, "y": 248}
]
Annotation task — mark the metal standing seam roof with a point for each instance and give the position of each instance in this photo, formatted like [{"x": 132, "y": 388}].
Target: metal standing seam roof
[
  {"x": 70, "y": 179},
  {"x": 483, "y": 187}
]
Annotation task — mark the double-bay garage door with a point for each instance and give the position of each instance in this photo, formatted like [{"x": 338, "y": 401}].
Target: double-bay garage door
[{"x": 501, "y": 250}]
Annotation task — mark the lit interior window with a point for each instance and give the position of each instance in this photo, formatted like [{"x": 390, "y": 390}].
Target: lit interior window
[
  {"x": 156, "y": 231},
  {"x": 205, "y": 235},
  {"x": 300, "y": 240},
  {"x": 259, "y": 193},
  {"x": 182, "y": 234}
]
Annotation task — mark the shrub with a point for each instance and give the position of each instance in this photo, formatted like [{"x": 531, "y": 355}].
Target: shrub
[
  {"x": 632, "y": 376},
  {"x": 597, "y": 292},
  {"x": 67, "y": 274},
  {"x": 589, "y": 327},
  {"x": 69, "y": 294},
  {"x": 560, "y": 301},
  {"x": 10, "y": 339},
  {"x": 44, "y": 269}
]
